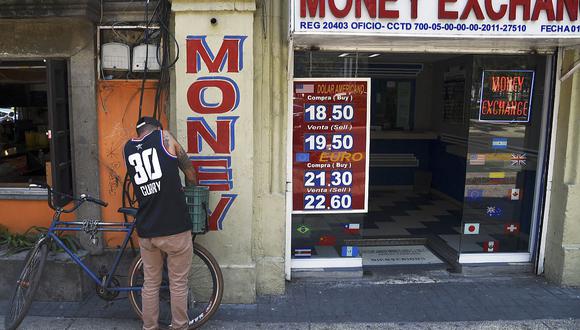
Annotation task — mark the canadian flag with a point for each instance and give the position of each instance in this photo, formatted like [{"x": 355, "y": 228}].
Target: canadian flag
[
  {"x": 515, "y": 194},
  {"x": 511, "y": 228},
  {"x": 491, "y": 246}
]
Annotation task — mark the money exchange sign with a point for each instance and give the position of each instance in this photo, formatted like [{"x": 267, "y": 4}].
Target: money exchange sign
[
  {"x": 506, "y": 95},
  {"x": 330, "y": 145}
]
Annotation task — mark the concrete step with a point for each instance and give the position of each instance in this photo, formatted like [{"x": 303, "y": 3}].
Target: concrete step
[{"x": 62, "y": 279}]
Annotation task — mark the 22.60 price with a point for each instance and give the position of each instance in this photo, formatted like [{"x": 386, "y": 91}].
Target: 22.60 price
[{"x": 318, "y": 202}]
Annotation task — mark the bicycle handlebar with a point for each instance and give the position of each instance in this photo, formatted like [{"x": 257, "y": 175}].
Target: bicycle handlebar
[
  {"x": 94, "y": 200},
  {"x": 78, "y": 201}
]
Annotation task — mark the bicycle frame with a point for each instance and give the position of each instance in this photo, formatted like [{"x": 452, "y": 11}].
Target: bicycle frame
[{"x": 76, "y": 226}]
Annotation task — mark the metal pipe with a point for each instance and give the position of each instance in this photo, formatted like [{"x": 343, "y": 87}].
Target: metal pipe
[{"x": 571, "y": 72}]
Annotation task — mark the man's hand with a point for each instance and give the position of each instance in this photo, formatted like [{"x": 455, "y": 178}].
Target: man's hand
[{"x": 174, "y": 148}]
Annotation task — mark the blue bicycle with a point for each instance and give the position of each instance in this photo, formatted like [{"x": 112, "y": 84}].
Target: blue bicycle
[{"x": 205, "y": 277}]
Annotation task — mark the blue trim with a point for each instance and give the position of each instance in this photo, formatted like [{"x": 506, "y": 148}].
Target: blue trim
[
  {"x": 232, "y": 198},
  {"x": 231, "y": 81}
]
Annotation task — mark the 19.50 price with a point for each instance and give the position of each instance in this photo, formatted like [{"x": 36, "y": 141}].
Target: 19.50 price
[{"x": 319, "y": 142}]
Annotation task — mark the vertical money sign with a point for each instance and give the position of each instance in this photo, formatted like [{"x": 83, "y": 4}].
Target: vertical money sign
[{"x": 214, "y": 97}]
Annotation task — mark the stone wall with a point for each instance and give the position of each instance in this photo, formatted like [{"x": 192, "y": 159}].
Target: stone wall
[{"x": 562, "y": 260}]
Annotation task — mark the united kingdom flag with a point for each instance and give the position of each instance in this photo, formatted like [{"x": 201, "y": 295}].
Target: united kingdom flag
[{"x": 519, "y": 159}]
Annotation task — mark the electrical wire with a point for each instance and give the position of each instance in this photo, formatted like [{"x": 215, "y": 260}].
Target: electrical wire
[
  {"x": 161, "y": 17},
  {"x": 146, "y": 58}
]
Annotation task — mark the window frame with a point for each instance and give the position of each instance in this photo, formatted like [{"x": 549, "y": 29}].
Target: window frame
[{"x": 27, "y": 193}]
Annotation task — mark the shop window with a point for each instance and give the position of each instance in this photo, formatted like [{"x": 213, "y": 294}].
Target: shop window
[
  {"x": 393, "y": 105},
  {"x": 34, "y": 126},
  {"x": 394, "y": 80}
]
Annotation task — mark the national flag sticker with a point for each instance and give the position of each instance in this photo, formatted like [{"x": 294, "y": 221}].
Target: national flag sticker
[
  {"x": 499, "y": 143},
  {"x": 493, "y": 211},
  {"x": 349, "y": 251},
  {"x": 302, "y": 157},
  {"x": 352, "y": 228},
  {"x": 476, "y": 159},
  {"x": 491, "y": 246},
  {"x": 515, "y": 194},
  {"x": 304, "y": 88},
  {"x": 303, "y": 229},
  {"x": 303, "y": 253},
  {"x": 474, "y": 194},
  {"x": 511, "y": 228},
  {"x": 471, "y": 229},
  {"x": 327, "y": 240},
  {"x": 497, "y": 175},
  {"x": 519, "y": 160}
]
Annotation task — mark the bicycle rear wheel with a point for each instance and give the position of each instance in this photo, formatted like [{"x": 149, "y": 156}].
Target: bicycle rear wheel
[
  {"x": 204, "y": 294},
  {"x": 26, "y": 285}
]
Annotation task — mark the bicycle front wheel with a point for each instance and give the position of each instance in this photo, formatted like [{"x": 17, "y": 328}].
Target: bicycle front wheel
[
  {"x": 204, "y": 293},
  {"x": 26, "y": 285}
]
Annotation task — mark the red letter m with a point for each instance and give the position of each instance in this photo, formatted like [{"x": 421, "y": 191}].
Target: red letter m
[
  {"x": 231, "y": 51},
  {"x": 312, "y": 6}
]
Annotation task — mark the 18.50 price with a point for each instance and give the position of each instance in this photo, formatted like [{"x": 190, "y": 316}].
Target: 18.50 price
[
  {"x": 326, "y": 112},
  {"x": 319, "y": 202}
]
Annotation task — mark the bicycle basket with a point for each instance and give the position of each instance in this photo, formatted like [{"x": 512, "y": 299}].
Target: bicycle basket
[{"x": 197, "y": 200}]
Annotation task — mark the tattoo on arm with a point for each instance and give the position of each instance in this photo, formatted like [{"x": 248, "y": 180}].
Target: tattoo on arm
[
  {"x": 183, "y": 161},
  {"x": 166, "y": 139},
  {"x": 185, "y": 165}
]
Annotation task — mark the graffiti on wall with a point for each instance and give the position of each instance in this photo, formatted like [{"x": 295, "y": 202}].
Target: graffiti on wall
[{"x": 212, "y": 130}]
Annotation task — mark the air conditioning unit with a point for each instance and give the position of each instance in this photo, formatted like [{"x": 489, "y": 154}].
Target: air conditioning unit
[
  {"x": 139, "y": 54},
  {"x": 115, "y": 56}
]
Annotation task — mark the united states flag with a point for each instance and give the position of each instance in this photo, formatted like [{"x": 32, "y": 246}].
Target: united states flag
[{"x": 304, "y": 88}]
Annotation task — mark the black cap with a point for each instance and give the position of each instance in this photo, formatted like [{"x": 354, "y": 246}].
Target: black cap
[{"x": 148, "y": 120}]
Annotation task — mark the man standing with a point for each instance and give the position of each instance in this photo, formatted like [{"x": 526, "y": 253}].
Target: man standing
[{"x": 153, "y": 161}]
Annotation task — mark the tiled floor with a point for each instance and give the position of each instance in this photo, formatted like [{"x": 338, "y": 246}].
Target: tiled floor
[
  {"x": 400, "y": 213},
  {"x": 403, "y": 213}
]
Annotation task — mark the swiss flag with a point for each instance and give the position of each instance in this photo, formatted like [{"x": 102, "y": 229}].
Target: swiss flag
[
  {"x": 511, "y": 228},
  {"x": 491, "y": 246},
  {"x": 327, "y": 240}
]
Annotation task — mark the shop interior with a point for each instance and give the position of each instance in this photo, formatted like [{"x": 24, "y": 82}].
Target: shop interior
[
  {"x": 423, "y": 133},
  {"x": 24, "y": 142}
]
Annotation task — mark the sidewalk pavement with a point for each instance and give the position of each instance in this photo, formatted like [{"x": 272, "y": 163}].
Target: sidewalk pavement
[{"x": 424, "y": 300}]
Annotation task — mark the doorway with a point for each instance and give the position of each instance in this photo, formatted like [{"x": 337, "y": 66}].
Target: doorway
[{"x": 456, "y": 153}]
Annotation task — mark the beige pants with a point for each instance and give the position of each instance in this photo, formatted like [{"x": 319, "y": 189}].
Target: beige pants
[{"x": 179, "y": 250}]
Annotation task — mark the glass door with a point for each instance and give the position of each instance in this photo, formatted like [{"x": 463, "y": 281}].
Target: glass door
[{"x": 504, "y": 158}]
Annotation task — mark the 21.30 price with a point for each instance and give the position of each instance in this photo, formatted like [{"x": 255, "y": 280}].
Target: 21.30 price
[
  {"x": 319, "y": 142},
  {"x": 319, "y": 179},
  {"x": 327, "y": 112},
  {"x": 336, "y": 202}
]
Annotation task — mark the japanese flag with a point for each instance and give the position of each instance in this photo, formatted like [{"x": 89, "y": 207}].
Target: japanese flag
[{"x": 471, "y": 229}]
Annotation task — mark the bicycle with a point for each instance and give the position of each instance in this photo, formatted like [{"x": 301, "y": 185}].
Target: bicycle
[{"x": 204, "y": 297}]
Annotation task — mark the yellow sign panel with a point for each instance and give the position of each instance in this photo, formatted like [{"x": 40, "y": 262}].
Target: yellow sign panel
[{"x": 497, "y": 175}]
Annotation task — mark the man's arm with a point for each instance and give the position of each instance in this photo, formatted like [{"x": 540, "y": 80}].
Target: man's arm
[{"x": 183, "y": 161}]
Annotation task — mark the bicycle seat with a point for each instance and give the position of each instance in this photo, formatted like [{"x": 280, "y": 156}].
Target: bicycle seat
[{"x": 128, "y": 211}]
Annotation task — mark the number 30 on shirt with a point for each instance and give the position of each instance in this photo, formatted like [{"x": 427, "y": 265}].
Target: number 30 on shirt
[{"x": 146, "y": 164}]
